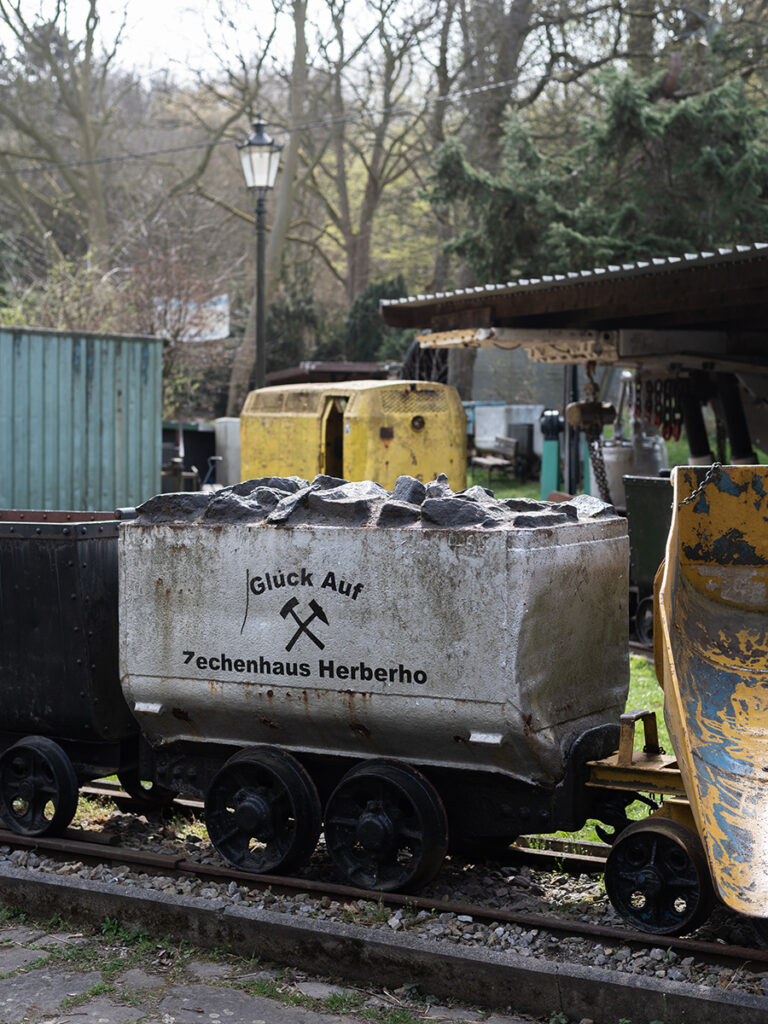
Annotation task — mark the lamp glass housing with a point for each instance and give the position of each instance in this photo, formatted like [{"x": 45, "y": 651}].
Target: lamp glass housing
[{"x": 260, "y": 158}]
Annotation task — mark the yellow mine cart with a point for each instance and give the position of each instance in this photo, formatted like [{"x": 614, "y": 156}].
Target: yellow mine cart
[
  {"x": 712, "y": 652},
  {"x": 357, "y": 430}
]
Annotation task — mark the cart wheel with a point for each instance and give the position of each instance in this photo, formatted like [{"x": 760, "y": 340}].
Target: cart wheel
[
  {"x": 386, "y": 827},
  {"x": 145, "y": 792},
  {"x": 656, "y": 877},
  {"x": 262, "y": 811},
  {"x": 38, "y": 787},
  {"x": 644, "y": 622}
]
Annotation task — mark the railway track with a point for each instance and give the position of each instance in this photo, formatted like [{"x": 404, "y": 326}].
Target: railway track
[{"x": 85, "y": 847}]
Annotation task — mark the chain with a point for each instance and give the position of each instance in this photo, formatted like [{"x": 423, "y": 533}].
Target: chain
[
  {"x": 708, "y": 478},
  {"x": 598, "y": 467}
]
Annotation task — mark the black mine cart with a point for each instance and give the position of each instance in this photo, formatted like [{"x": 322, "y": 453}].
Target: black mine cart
[
  {"x": 63, "y": 718},
  {"x": 649, "y": 514}
]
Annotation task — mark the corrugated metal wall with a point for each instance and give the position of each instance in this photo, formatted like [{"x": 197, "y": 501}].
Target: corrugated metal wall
[{"x": 80, "y": 420}]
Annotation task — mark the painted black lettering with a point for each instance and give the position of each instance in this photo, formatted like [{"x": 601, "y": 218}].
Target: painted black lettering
[
  {"x": 306, "y": 578},
  {"x": 404, "y": 674},
  {"x": 202, "y": 662},
  {"x": 291, "y": 668},
  {"x": 381, "y": 675},
  {"x": 342, "y": 672},
  {"x": 278, "y": 668},
  {"x": 188, "y": 656},
  {"x": 325, "y": 668},
  {"x": 304, "y": 668},
  {"x": 279, "y": 580},
  {"x": 345, "y": 588},
  {"x": 226, "y": 664},
  {"x": 257, "y": 585},
  {"x": 214, "y": 664},
  {"x": 264, "y": 666},
  {"x": 366, "y": 674},
  {"x": 419, "y": 677},
  {"x": 329, "y": 581},
  {"x": 251, "y": 665},
  {"x": 292, "y": 579},
  {"x": 239, "y": 664},
  {"x": 358, "y": 588}
]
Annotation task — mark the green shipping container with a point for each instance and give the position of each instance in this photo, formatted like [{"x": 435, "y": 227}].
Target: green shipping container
[{"x": 80, "y": 419}]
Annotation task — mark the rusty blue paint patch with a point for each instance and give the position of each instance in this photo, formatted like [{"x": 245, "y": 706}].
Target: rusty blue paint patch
[
  {"x": 727, "y": 485},
  {"x": 730, "y": 548}
]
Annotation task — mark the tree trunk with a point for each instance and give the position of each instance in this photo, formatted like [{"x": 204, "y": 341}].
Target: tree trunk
[{"x": 641, "y": 16}]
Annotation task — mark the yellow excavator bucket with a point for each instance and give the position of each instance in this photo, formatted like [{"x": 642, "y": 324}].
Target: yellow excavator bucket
[{"x": 712, "y": 660}]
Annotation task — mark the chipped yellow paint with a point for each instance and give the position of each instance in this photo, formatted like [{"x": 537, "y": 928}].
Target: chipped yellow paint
[
  {"x": 360, "y": 430},
  {"x": 713, "y": 658}
]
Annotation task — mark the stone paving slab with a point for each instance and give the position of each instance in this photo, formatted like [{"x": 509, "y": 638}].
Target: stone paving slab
[
  {"x": 138, "y": 979},
  {"x": 102, "y": 1011},
  {"x": 42, "y": 989},
  {"x": 14, "y": 957},
  {"x": 208, "y": 1004}
]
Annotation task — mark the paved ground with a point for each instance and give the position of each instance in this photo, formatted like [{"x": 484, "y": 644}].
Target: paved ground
[{"x": 53, "y": 975}]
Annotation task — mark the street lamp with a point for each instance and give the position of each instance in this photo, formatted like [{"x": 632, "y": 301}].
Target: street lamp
[{"x": 260, "y": 157}]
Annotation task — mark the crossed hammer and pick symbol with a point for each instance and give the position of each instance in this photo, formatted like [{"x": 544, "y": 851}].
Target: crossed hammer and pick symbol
[{"x": 289, "y": 608}]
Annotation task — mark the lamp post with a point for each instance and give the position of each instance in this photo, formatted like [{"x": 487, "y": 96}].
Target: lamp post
[{"x": 260, "y": 157}]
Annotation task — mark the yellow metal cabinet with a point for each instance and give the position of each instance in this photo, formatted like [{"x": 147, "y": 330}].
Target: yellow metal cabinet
[{"x": 358, "y": 430}]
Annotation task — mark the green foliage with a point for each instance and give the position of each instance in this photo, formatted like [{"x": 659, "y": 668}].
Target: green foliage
[
  {"x": 366, "y": 338},
  {"x": 648, "y": 177},
  {"x": 77, "y": 295}
]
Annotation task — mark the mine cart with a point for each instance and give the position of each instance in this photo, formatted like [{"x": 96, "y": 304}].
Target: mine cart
[
  {"x": 356, "y": 430},
  {"x": 63, "y": 718}
]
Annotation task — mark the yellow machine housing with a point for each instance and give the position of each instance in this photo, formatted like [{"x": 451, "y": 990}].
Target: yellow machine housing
[
  {"x": 712, "y": 660},
  {"x": 357, "y": 430}
]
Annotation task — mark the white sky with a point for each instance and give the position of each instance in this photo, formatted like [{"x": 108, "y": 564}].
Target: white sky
[{"x": 158, "y": 34}]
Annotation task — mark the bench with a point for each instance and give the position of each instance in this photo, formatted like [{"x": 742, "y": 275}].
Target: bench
[{"x": 500, "y": 460}]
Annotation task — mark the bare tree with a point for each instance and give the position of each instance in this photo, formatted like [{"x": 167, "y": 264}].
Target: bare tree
[{"x": 60, "y": 98}]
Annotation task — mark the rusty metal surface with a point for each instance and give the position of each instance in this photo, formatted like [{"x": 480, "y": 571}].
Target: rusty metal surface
[
  {"x": 435, "y": 645},
  {"x": 714, "y": 614}
]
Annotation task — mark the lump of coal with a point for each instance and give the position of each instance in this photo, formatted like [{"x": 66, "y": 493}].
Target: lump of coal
[
  {"x": 439, "y": 488},
  {"x": 455, "y": 511},
  {"x": 588, "y": 507},
  {"x": 409, "y": 490},
  {"x": 527, "y": 520},
  {"x": 184, "y": 507},
  {"x": 352, "y": 501},
  {"x": 398, "y": 513}
]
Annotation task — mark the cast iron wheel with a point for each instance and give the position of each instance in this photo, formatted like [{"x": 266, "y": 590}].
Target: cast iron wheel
[
  {"x": 386, "y": 827},
  {"x": 656, "y": 877},
  {"x": 644, "y": 622},
  {"x": 38, "y": 787},
  {"x": 145, "y": 791},
  {"x": 262, "y": 811}
]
